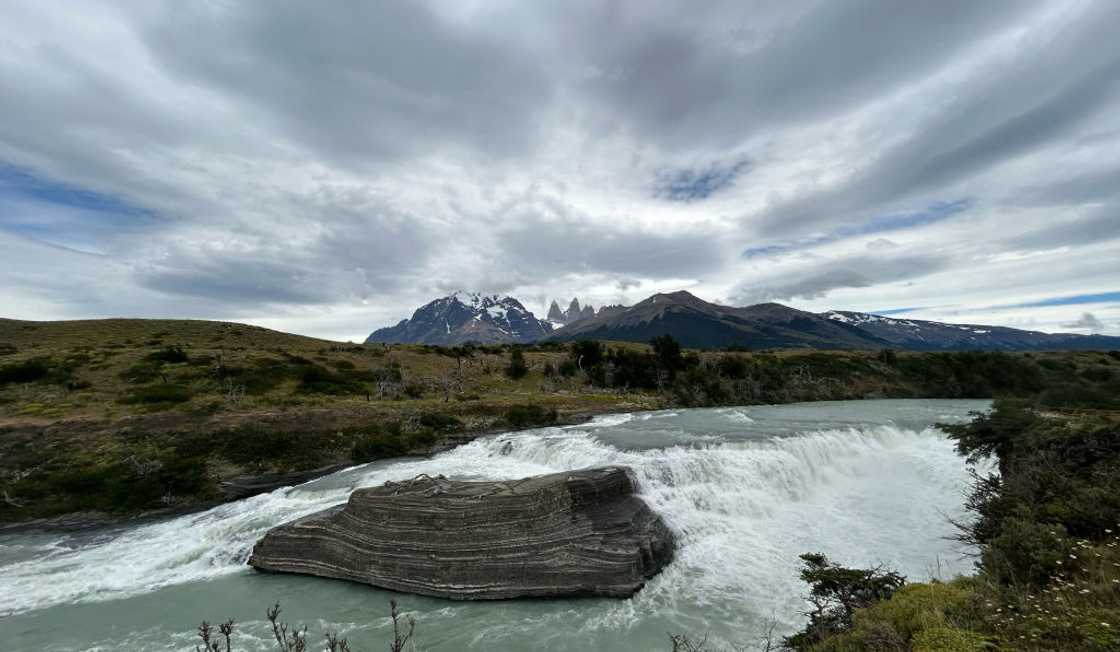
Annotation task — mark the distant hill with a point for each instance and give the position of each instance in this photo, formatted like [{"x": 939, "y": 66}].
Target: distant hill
[
  {"x": 460, "y": 318},
  {"x": 918, "y": 335},
  {"x": 697, "y": 323},
  {"x": 129, "y": 333}
]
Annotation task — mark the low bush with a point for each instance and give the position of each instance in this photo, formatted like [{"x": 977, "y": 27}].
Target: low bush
[
  {"x": 517, "y": 369},
  {"x": 36, "y": 370},
  {"x": 315, "y": 379},
  {"x": 835, "y": 593},
  {"x": 526, "y": 416},
  {"x": 258, "y": 445},
  {"x": 157, "y": 394},
  {"x": 169, "y": 354},
  {"x": 383, "y": 442},
  {"x": 440, "y": 421}
]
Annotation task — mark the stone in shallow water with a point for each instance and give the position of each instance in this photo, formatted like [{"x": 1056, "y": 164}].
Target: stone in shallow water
[{"x": 565, "y": 534}]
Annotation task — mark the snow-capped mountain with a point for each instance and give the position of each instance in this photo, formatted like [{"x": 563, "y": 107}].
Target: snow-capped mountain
[
  {"x": 697, "y": 323},
  {"x": 574, "y": 313},
  {"x": 919, "y": 335},
  {"x": 492, "y": 319},
  {"x": 466, "y": 317}
]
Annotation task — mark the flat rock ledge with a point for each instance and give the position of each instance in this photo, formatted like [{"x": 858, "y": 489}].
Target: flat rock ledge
[{"x": 577, "y": 533}]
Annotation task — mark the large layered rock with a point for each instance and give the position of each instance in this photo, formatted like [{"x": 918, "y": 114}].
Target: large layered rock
[{"x": 566, "y": 534}]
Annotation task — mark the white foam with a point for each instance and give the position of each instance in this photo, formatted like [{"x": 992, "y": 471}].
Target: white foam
[{"x": 743, "y": 511}]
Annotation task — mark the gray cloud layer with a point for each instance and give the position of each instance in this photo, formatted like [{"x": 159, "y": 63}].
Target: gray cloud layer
[{"x": 304, "y": 163}]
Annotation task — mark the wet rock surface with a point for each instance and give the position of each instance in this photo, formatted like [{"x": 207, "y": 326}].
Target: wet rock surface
[{"x": 565, "y": 534}]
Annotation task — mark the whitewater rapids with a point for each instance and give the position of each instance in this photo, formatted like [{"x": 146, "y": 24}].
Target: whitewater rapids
[{"x": 746, "y": 490}]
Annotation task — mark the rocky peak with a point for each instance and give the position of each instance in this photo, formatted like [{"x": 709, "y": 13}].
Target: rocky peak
[
  {"x": 575, "y": 312},
  {"x": 467, "y": 317}
]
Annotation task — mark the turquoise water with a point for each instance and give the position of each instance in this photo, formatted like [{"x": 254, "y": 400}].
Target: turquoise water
[{"x": 746, "y": 490}]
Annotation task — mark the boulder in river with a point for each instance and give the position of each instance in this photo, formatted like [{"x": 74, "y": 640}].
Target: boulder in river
[{"x": 566, "y": 534}]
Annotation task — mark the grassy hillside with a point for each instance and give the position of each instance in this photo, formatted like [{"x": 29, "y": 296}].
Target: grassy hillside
[{"x": 135, "y": 415}]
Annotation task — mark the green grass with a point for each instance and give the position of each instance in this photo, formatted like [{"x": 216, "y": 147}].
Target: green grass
[{"x": 88, "y": 395}]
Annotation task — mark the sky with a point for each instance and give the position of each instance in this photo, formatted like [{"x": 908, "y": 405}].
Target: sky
[{"x": 325, "y": 169}]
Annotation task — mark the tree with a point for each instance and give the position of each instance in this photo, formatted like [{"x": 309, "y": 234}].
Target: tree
[
  {"x": 668, "y": 353},
  {"x": 586, "y": 354},
  {"x": 835, "y": 593},
  {"x": 517, "y": 368}
]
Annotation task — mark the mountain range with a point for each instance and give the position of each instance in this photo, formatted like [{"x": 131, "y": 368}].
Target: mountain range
[
  {"x": 466, "y": 317},
  {"x": 696, "y": 323}
]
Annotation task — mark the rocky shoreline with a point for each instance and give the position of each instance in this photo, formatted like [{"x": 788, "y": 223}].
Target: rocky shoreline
[{"x": 248, "y": 485}]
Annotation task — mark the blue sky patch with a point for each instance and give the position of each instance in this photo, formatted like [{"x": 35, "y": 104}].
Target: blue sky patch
[
  {"x": 935, "y": 212},
  {"x": 692, "y": 184},
  {"x": 895, "y": 311},
  {"x": 60, "y": 213},
  {"x": 1072, "y": 300}
]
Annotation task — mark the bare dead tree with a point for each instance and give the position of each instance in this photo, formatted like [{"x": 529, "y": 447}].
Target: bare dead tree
[
  {"x": 767, "y": 639},
  {"x": 682, "y": 643},
  {"x": 226, "y": 630},
  {"x": 336, "y": 644},
  {"x": 14, "y": 502},
  {"x": 294, "y": 640},
  {"x": 204, "y": 631},
  {"x": 399, "y": 637},
  {"x": 234, "y": 392}
]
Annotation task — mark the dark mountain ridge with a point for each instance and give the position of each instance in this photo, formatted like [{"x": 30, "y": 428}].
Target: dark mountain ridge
[{"x": 700, "y": 324}]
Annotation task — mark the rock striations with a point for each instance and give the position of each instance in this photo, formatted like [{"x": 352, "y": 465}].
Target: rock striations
[{"x": 566, "y": 534}]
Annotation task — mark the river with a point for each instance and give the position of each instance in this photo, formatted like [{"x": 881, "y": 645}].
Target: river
[{"x": 746, "y": 490}]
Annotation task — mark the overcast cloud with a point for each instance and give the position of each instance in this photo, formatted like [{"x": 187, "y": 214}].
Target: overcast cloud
[{"x": 325, "y": 169}]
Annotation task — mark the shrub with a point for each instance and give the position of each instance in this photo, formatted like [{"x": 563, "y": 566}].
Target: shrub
[
  {"x": 156, "y": 394},
  {"x": 28, "y": 371},
  {"x": 142, "y": 372},
  {"x": 525, "y": 416},
  {"x": 836, "y": 593},
  {"x": 585, "y": 354},
  {"x": 517, "y": 368},
  {"x": 259, "y": 445},
  {"x": 667, "y": 351},
  {"x": 169, "y": 354},
  {"x": 383, "y": 442},
  {"x": 315, "y": 379},
  {"x": 440, "y": 421},
  {"x": 888, "y": 357},
  {"x": 992, "y": 433}
]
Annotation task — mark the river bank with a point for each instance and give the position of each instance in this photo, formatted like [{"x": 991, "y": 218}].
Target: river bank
[
  {"x": 245, "y": 486},
  {"x": 745, "y": 489}
]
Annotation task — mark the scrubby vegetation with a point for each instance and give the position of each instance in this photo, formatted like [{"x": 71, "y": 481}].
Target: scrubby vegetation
[
  {"x": 1047, "y": 528},
  {"x": 294, "y": 639},
  {"x": 81, "y": 399}
]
